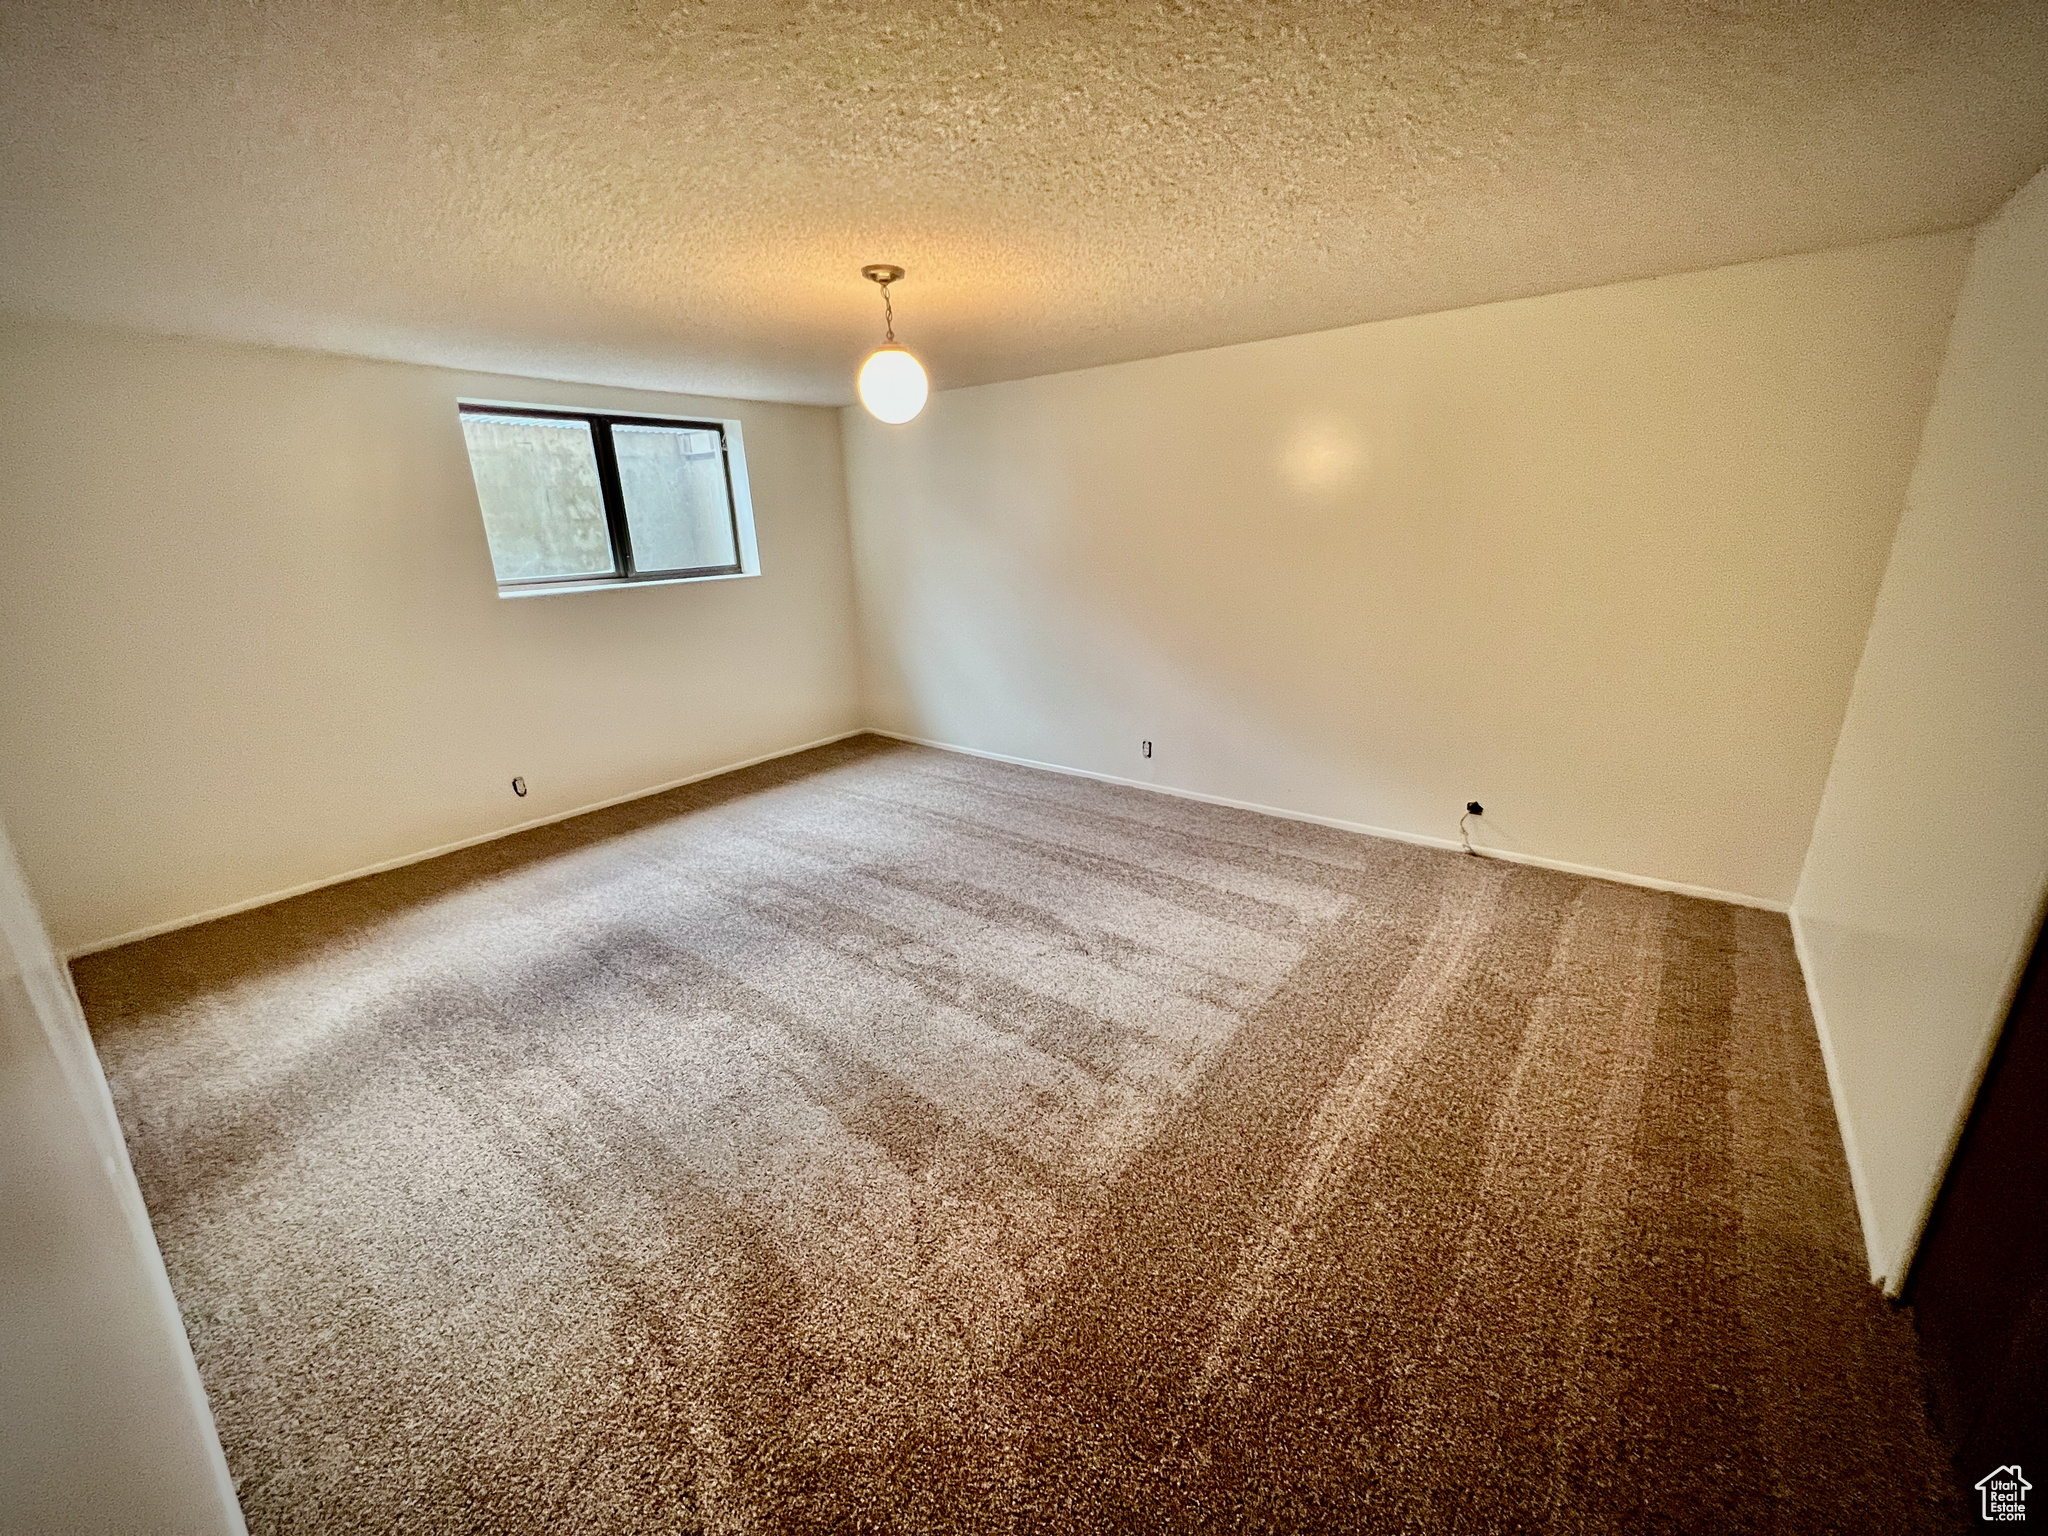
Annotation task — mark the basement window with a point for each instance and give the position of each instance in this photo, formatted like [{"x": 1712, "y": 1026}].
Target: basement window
[{"x": 576, "y": 500}]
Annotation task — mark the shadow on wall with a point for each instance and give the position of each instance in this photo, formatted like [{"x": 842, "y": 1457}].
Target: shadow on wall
[{"x": 103, "y": 1422}]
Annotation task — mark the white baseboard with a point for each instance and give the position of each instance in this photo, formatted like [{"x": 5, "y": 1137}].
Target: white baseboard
[
  {"x": 194, "y": 919},
  {"x": 1621, "y": 877},
  {"x": 1881, "y": 1266}
]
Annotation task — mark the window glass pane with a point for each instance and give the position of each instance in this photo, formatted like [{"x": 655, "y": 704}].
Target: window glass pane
[
  {"x": 543, "y": 506},
  {"x": 677, "y": 508}
]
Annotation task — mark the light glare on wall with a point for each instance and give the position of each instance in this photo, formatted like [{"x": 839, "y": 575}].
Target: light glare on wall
[
  {"x": 1322, "y": 454},
  {"x": 892, "y": 383}
]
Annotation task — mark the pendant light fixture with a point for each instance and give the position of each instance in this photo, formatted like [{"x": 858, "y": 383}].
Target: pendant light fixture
[{"x": 892, "y": 384}]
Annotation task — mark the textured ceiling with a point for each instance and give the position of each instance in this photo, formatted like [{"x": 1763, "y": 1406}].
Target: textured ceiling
[{"x": 681, "y": 195}]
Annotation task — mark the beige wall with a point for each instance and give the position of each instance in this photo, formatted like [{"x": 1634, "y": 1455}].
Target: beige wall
[
  {"x": 1602, "y": 560},
  {"x": 252, "y": 637},
  {"x": 103, "y": 1423},
  {"x": 1930, "y": 856}
]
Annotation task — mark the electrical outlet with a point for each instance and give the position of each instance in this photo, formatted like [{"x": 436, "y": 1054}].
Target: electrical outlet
[
  {"x": 1474, "y": 808},
  {"x": 1144, "y": 749}
]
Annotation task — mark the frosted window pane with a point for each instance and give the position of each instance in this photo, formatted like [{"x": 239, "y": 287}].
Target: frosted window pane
[
  {"x": 677, "y": 508},
  {"x": 543, "y": 506}
]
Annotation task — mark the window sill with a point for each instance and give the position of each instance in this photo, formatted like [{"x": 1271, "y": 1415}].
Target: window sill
[{"x": 619, "y": 586}]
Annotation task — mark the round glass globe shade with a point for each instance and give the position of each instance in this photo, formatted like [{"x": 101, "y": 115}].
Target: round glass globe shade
[{"x": 892, "y": 385}]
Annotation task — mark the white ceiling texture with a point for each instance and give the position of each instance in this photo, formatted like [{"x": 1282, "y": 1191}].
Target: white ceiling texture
[{"x": 680, "y": 195}]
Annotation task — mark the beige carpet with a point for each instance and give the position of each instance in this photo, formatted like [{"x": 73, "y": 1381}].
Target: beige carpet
[{"x": 885, "y": 1139}]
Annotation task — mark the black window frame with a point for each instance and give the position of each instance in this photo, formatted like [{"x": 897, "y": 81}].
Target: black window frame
[{"x": 623, "y": 568}]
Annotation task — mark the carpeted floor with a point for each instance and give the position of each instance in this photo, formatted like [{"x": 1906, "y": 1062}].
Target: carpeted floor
[{"x": 885, "y": 1139}]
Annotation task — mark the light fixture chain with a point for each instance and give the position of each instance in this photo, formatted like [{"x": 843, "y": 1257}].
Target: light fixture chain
[{"x": 892, "y": 384}]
